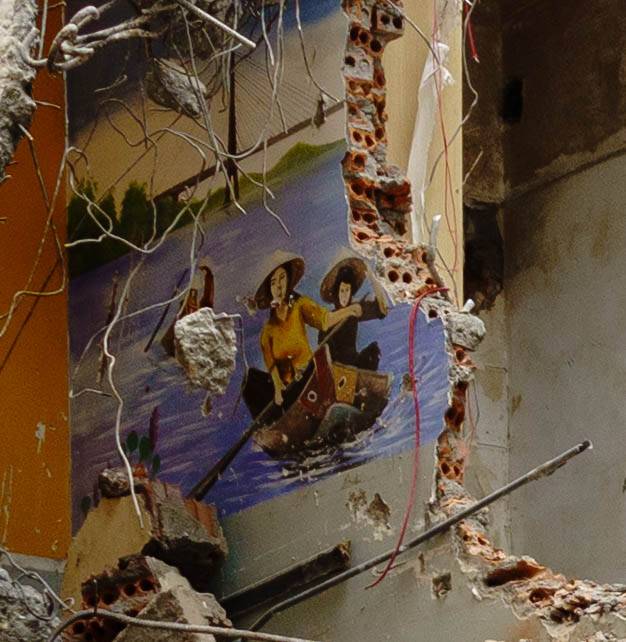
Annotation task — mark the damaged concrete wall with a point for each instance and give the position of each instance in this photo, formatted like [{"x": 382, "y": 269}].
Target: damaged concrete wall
[
  {"x": 428, "y": 597},
  {"x": 564, "y": 306},
  {"x": 564, "y": 249},
  {"x": 558, "y": 117}
]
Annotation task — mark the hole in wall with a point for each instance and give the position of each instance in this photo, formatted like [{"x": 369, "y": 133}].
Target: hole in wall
[{"x": 483, "y": 271}]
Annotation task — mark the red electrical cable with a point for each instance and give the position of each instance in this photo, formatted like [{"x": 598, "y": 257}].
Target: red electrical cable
[
  {"x": 416, "y": 405},
  {"x": 470, "y": 35}
]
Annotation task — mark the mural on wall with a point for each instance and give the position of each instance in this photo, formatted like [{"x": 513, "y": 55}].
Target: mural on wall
[{"x": 319, "y": 383}]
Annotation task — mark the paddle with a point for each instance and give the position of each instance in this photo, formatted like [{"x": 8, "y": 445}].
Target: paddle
[{"x": 205, "y": 484}]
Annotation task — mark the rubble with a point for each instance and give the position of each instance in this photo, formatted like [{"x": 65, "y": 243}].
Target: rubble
[
  {"x": 170, "y": 86},
  {"x": 17, "y": 18},
  {"x": 181, "y": 532},
  {"x": 113, "y": 482},
  {"x": 206, "y": 345},
  {"x": 25, "y": 614},
  {"x": 145, "y": 588}
]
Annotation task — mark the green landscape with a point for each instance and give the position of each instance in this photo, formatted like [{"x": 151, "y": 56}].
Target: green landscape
[{"x": 137, "y": 216}]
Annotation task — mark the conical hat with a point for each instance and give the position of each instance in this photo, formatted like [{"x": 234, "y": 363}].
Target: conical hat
[
  {"x": 358, "y": 268},
  {"x": 279, "y": 258}
]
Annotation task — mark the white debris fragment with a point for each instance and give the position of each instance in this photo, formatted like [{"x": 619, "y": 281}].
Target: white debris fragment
[{"x": 206, "y": 346}]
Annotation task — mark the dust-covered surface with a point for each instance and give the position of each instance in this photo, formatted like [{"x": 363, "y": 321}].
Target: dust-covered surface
[{"x": 17, "y": 18}]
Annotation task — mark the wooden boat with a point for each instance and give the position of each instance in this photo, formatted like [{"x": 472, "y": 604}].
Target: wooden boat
[{"x": 336, "y": 401}]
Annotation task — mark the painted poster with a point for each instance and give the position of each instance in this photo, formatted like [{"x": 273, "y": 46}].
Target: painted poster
[{"x": 318, "y": 383}]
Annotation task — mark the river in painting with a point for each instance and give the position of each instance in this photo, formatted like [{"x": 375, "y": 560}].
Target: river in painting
[{"x": 310, "y": 199}]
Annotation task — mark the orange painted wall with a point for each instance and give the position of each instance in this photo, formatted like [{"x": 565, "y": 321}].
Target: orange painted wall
[{"x": 34, "y": 473}]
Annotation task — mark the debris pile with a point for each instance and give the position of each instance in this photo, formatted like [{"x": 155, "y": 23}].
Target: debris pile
[
  {"x": 145, "y": 588},
  {"x": 25, "y": 614},
  {"x": 159, "y": 572}
]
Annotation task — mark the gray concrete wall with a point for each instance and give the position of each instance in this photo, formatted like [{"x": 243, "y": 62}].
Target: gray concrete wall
[
  {"x": 565, "y": 255},
  {"x": 273, "y": 536},
  {"x": 566, "y": 262}
]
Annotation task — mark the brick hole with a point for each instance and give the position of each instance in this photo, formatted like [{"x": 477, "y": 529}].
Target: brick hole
[
  {"x": 376, "y": 46},
  {"x": 450, "y": 415},
  {"x": 457, "y": 470},
  {"x": 388, "y": 252},
  {"x": 109, "y": 597},
  {"x": 352, "y": 110},
  {"x": 425, "y": 257},
  {"x": 481, "y": 540},
  {"x": 359, "y": 160},
  {"x": 393, "y": 276},
  {"x": 369, "y": 192},
  {"x": 445, "y": 469},
  {"x": 357, "y": 188},
  {"x": 379, "y": 79},
  {"x": 130, "y": 590},
  {"x": 397, "y": 22},
  {"x": 354, "y": 33},
  {"x": 540, "y": 594},
  {"x": 362, "y": 236},
  {"x": 78, "y": 628},
  {"x": 379, "y": 133},
  {"x": 356, "y": 216},
  {"x": 460, "y": 354},
  {"x": 364, "y": 37},
  {"x": 406, "y": 277},
  {"x": 432, "y": 314},
  {"x": 350, "y": 61},
  {"x": 146, "y": 585},
  {"x": 356, "y": 136},
  {"x": 429, "y": 281},
  {"x": 521, "y": 571},
  {"x": 385, "y": 19},
  {"x": 96, "y": 628},
  {"x": 369, "y": 141},
  {"x": 369, "y": 217}
]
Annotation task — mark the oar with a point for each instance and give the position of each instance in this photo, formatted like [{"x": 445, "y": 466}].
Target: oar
[
  {"x": 204, "y": 485},
  {"x": 164, "y": 315}
]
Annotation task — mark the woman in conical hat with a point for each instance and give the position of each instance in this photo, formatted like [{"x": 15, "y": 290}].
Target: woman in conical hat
[
  {"x": 339, "y": 286},
  {"x": 284, "y": 342}
]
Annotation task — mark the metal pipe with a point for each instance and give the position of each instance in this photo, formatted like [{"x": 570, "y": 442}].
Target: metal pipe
[
  {"x": 544, "y": 470},
  {"x": 218, "y": 23}
]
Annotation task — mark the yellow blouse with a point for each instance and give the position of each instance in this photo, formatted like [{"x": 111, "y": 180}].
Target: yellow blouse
[{"x": 285, "y": 344}]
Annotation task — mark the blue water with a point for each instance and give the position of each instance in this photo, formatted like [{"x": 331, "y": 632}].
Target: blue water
[{"x": 312, "y": 204}]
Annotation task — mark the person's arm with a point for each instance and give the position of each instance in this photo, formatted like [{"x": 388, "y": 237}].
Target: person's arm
[
  {"x": 270, "y": 363},
  {"x": 337, "y": 316},
  {"x": 319, "y": 317},
  {"x": 278, "y": 386}
]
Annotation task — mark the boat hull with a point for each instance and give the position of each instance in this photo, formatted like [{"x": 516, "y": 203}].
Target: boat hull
[{"x": 336, "y": 403}]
